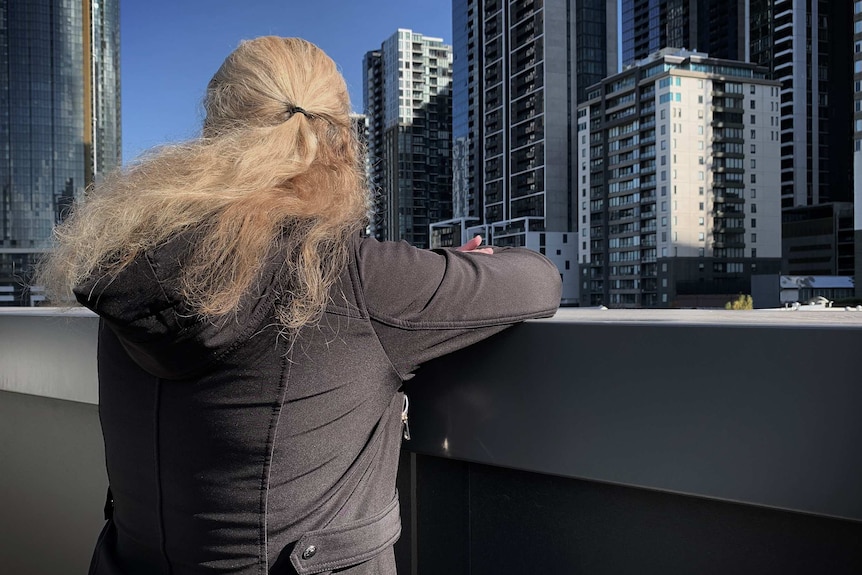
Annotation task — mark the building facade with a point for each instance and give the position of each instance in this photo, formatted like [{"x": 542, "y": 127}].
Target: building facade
[
  {"x": 806, "y": 45},
  {"x": 716, "y": 27},
  {"x": 59, "y": 121},
  {"x": 408, "y": 104},
  {"x": 857, "y": 142},
  {"x": 680, "y": 203},
  {"x": 520, "y": 68}
]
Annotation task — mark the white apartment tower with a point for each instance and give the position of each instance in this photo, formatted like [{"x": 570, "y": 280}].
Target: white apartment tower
[
  {"x": 408, "y": 104},
  {"x": 679, "y": 198}
]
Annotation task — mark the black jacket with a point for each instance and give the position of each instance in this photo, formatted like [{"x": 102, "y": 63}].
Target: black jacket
[{"x": 229, "y": 451}]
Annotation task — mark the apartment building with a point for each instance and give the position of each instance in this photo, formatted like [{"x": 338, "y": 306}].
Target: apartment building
[
  {"x": 679, "y": 192},
  {"x": 408, "y": 105},
  {"x": 520, "y": 68}
]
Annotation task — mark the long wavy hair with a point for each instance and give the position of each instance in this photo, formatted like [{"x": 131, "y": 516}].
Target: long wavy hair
[{"x": 278, "y": 164}]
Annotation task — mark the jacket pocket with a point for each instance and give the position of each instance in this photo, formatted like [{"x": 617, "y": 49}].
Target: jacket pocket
[{"x": 323, "y": 550}]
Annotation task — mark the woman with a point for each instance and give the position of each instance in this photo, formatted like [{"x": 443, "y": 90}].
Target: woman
[{"x": 252, "y": 345}]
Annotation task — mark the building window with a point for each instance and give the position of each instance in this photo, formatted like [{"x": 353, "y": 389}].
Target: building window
[
  {"x": 700, "y": 190},
  {"x": 700, "y": 101},
  {"x": 753, "y": 223},
  {"x": 753, "y": 193},
  {"x": 700, "y": 206},
  {"x": 754, "y": 252},
  {"x": 701, "y": 252},
  {"x": 700, "y": 221},
  {"x": 752, "y": 104},
  {"x": 753, "y": 208},
  {"x": 700, "y": 236},
  {"x": 753, "y": 178},
  {"x": 753, "y": 148},
  {"x": 754, "y": 119},
  {"x": 754, "y": 238},
  {"x": 700, "y": 160},
  {"x": 753, "y": 163},
  {"x": 753, "y": 134},
  {"x": 752, "y": 88}
]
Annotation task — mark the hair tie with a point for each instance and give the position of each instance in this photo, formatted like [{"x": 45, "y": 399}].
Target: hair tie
[{"x": 291, "y": 110}]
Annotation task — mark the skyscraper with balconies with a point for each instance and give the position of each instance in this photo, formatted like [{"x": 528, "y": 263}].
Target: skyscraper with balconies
[
  {"x": 806, "y": 45},
  {"x": 520, "y": 68},
  {"x": 680, "y": 202},
  {"x": 408, "y": 104},
  {"x": 59, "y": 121}
]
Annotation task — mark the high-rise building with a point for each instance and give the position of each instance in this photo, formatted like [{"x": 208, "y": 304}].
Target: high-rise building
[
  {"x": 59, "y": 121},
  {"x": 408, "y": 103},
  {"x": 716, "y": 27},
  {"x": 680, "y": 203},
  {"x": 520, "y": 68},
  {"x": 806, "y": 45},
  {"x": 857, "y": 141}
]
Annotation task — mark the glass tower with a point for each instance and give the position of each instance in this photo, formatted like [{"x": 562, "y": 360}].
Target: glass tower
[{"x": 59, "y": 121}]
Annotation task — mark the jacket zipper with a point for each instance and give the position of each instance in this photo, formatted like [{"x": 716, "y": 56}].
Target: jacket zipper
[{"x": 406, "y": 425}]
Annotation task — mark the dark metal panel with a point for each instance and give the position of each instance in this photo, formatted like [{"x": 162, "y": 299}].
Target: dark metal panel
[{"x": 761, "y": 414}]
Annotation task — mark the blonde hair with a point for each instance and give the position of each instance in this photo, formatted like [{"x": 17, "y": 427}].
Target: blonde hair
[{"x": 262, "y": 174}]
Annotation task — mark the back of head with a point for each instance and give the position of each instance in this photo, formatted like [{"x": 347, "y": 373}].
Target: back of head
[
  {"x": 278, "y": 164},
  {"x": 263, "y": 78}
]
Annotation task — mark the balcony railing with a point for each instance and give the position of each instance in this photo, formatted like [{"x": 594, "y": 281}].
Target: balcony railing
[{"x": 671, "y": 441}]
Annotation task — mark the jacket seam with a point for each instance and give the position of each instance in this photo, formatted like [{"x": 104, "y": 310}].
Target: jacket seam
[
  {"x": 359, "y": 294},
  {"x": 266, "y": 476},
  {"x": 158, "y": 470}
]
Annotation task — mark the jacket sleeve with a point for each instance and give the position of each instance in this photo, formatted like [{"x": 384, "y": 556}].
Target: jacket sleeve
[{"x": 427, "y": 303}]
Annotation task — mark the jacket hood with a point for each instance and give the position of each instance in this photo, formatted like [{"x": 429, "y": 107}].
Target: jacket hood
[{"x": 144, "y": 307}]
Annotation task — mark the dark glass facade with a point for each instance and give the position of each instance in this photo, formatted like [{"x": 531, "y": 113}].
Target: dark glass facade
[
  {"x": 59, "y": 120},
  {"x": 715, "y": 27}
]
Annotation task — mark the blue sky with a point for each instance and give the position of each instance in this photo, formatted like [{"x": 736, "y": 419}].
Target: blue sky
[{"x": 171, "y": 48}]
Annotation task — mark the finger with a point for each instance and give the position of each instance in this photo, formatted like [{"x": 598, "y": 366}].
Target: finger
[{"x": 471, "y": 245}]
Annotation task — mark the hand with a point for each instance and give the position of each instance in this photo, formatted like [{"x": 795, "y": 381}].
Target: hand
[{"x": 473, "y": 247}]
